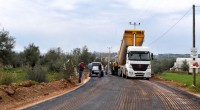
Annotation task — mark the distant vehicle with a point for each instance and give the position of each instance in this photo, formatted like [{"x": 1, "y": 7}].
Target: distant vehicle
[{"x": 95, "y": 68}]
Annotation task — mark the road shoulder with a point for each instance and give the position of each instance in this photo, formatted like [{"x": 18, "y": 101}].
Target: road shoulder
[{"x": 53, "y": 95}]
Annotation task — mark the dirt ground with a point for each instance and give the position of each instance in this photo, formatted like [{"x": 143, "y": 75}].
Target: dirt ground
[{"x": 15, "y": 96}]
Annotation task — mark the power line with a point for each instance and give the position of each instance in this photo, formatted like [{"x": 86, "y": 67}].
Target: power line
[
  {"x": 170, "y": 27},
  {"x": 145, "y": 10}
]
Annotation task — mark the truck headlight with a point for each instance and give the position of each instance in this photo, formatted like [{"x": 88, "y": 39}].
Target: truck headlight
[
  {"x": 131, "y": 73},
  {"x": 129, "y": 66},
  {"x": 149, "y": 67}
]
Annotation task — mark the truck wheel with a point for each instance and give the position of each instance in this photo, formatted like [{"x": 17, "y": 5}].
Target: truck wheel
[
  {"x": 127, "y": 77},
  {"x": 147, "y": 78}
]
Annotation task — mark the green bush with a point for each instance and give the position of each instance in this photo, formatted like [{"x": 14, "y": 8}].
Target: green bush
[
  {"x": 185, "y": 66},
  {"x": 55, "y": 66},
  {"x": 54, "y": 76},
  {"x": 37, "y": 74},
  {"x": 159, "y": 66},
  {"x": 6, "y": 78}
]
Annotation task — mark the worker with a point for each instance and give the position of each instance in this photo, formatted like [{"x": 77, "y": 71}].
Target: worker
[
  {"x": 115, "y": 66},
  {"x": 90, "y": 69},
  {"x": 112, "y": 68},
  {"x": 106, "y": 69},
  {"x": 81, "y": 67}
]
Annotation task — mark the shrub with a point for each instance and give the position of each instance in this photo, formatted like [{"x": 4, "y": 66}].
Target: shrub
[
  {"x": 6, "y": 79},
  {"x": 185, "y": 66},
  {"x": 37, "y": 74},
  {"x": 55, "y": 66}
]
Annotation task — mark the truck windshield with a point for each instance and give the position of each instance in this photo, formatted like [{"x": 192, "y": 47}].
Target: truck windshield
[{"x": 139, "y": 56}]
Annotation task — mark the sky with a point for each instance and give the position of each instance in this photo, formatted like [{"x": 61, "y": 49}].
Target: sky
[{"x": 100, "y": 24}]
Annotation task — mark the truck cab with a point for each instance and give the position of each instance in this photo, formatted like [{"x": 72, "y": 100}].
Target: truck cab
[{"x": 137, "y": 62}]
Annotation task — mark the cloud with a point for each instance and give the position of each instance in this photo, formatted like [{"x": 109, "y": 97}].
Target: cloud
[
  {"x": 74, "y": 23},
  {"x": 63, "y": 5},
  {"x": 160, "y": 6}
]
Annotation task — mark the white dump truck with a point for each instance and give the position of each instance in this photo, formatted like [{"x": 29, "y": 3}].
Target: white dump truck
[{"x": 134, "y": 60}]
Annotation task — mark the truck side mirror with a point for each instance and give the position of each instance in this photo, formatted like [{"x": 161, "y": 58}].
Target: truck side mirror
[{"x": 151, "y": 56}]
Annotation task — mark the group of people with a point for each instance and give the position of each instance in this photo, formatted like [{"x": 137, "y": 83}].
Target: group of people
[{"x": 81, "y": 67}]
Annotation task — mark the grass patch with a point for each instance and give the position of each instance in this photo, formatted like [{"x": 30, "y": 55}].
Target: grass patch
[
  {"x": 54, "y": 76},
  {"x": 6, "y": 78},
  {"x": 185, "y": 79},
  {"x": 9, "y": 75},
  {"x": 17, "y": 75}
]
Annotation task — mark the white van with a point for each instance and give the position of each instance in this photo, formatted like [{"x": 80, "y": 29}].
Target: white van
[{"x": 95, "y": 68}]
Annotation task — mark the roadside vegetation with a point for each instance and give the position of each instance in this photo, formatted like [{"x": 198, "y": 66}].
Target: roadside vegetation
[
  {"x": 186, "y": 80},
  {"x": 10, "y": 75},
  {"x": 161, "y": 68},
  {"x": 30, "y": 64}
]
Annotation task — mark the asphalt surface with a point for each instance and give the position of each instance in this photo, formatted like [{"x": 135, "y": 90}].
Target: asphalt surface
[{"x": 116, "y": 93}]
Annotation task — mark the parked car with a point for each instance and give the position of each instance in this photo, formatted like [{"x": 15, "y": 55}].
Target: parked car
[{"x": 95, "y": 68}]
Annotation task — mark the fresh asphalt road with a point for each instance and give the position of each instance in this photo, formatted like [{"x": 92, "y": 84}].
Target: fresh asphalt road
[{"x": 116, "y": 93}]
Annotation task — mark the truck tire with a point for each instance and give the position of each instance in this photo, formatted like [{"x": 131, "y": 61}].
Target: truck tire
[{"x": 127, "y": 77}]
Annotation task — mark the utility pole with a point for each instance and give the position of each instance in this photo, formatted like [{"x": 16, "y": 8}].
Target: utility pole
[
  {"x": 135, "y": 24},
  {"x": 109, "y": 58},
  {"x": 194, "y": 71},
  {"x": 134, "y": 34}
]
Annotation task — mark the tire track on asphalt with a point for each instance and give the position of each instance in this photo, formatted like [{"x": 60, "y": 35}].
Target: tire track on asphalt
[
  {"x": 116, "y": 93},
  {"x": 173, "y": 99}
]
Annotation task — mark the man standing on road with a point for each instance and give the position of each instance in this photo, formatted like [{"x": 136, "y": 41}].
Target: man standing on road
[
  {"x": 115, "y": 66},
  {"x": 106, "y": 69},
  {"x": 81, "y": 67},
  {"x": 90, "y": 69}
]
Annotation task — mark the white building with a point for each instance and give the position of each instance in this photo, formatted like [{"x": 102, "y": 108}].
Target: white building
[{"x": 179, "y": 62}]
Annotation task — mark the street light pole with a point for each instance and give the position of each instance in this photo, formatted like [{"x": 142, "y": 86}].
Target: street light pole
[
  {"x": 135, "y": 24},
  {"x": 134, "y": 34}
]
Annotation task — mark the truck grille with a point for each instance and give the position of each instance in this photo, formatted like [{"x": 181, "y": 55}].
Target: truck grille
[
  {"x": 139, "y": 74},
  {"x": 140, "y": 67}
]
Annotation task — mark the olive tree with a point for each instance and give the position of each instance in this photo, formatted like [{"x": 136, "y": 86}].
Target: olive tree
[
  {"x": 32, "y": 55},
  {"x": 7, "y": 43},
  {"x": 54, "y": 59}
]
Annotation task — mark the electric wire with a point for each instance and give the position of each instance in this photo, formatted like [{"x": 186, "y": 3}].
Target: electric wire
[
  {"x": 170, "y": 28},
  {"x": 145, "y": 10}
]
